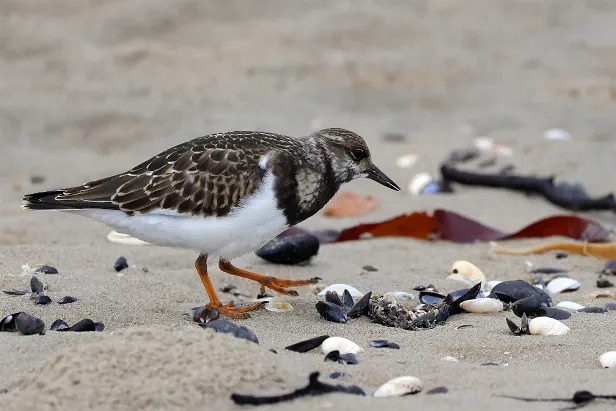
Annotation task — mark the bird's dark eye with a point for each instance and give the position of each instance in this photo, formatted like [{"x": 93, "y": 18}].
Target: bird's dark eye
[{"x": 358, "y": 154}]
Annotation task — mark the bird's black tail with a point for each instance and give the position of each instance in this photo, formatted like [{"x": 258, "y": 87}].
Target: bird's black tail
[{"x": 46, "y": 200}]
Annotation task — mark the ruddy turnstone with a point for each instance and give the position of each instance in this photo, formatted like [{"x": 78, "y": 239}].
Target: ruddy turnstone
[{"x": 223, "y": 195}]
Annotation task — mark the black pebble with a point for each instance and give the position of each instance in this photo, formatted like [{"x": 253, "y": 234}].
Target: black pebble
[
  {"x": 290, "y": 250},
  {"x": 46, "y": 269},
  {"x": 561, "y": 255},
  {"x": 67, "y": 300},
  {"x": 120, "y": 264},
  {"x": 42, "y": 300},
  {"x": 604, "y": 283},
  {"x": 370, "y": 268}
]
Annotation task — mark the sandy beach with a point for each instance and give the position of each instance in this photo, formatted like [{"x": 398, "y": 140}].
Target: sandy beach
[{"x": 92, "y": 88}]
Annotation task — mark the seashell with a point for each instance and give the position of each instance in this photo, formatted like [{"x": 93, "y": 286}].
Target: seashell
[
  {"x": 484, "y": 143},
  {"x": 547, "y": 326},
  {"x": 569, "y": 305},
  {"x": 519, "y": 330},
  {"x": 336, "y": 375},
  {"x": 204, "y": 315},
  {"x": 514, "y": 290},
  {"x": 407, "y": 161},
  {"x": 562, "y": 284},
  {"x": 57, "y": 324},
  {"x": 290, "y": 250},
  {"x": 360, "y": 307},
  {"x": 120, "y": 264},
  {"x": 370, "y": 268},
  {"x": 334, "y": 298},
  {"x": 348, "y": 358},
  {"x": 42, "y": 300},
  {"x": 226, "y": 327},
  {"x": 431, "y": 297},
  {"x": 419, "y": 182},
  {"x": 604, "y": 283},
  {"x": 438, "y": 390},
  {"x": 593, "y": 310},
  {"x": 601, "y": 294},
  {"x": 547, "y": 270},
  {"x": 120, "y": 238},
  {"x": 449, "y": 359},
  {"x": 529, "y": 305},
  {"x": 399, "y": 386},
  {"x": 14, "y": 291},
  {"x": 609, "y": 267},
  {"x": 68, "y": 300},
  {"x": 553, "y": 312},
  {"x": 482, "y": 305},
  {"x": 556, "y": 134},
  {"x": 347, "y": 299},
  {"x": 85, "y": 325},
  {"x": 466, "y": 272},
  {"x": 46, "y": 269},
  {"x": 331, "y": 312},
  {"x": 340, "y": 344},
  {"x": 339, "y": 288},
  {"x": 278, "y": 306},
  {"x": 307, "y": 345},
  {"x": 384, "y": 344},
  {"x": 36, "y": 285},
  {"x": 456, "y": 298},
  {"x": 608, "y": 359},
  {"x": 29, "y": 325},
  {"x": 610, "y": 306}
]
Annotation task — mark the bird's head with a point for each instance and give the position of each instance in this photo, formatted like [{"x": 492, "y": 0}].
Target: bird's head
[{"x": 350, "y": 157}]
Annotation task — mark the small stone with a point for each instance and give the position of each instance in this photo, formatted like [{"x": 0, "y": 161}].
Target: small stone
[
  {"x": 369, "y": 268},
  {"x": 120, "y": 264},
  {"x": 46, "y": 269},
  {"x": 604, "y": 283}
]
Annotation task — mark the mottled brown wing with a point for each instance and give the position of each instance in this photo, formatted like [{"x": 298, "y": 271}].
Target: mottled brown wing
[{"x": 194, "y": 178}]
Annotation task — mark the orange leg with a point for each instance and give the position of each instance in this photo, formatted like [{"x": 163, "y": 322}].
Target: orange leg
[
  {"x": 277, "y": 284},
  {"x": 227, "y": 309}
]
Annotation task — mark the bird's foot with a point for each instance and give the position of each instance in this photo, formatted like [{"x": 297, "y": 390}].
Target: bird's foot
[
  {"x": 281, "y": 285},
  {"x": 228, "y": 310}
]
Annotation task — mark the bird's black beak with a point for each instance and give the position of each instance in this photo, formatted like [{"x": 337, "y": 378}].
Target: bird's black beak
[{"x": 377, "y": 175}]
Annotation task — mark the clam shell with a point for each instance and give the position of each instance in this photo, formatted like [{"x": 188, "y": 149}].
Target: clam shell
[
  {"x": 399, "y": 386},
  {"x": 278, "y": 306},
  {"x": 608, "y": 359},
  {"x": 418, "y": 183},
  {"x": 125, "y": 239},
  {"x": 482, "y": 305},
  {"x": 570, "y": 305},
  {"x": 547, "y": 326},
  {"x": 339, "y": 288},
  {"x": 466, "y": 272},
  {"x": 562, "y": 284},
  {"x": 340, "y": 344}
]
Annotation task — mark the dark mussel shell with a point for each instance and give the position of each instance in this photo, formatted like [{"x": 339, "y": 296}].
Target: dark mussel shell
[
  {"x": 610, "y": 306},
  {"x": 226, "y": 327},
  {"x": 307, "y": 345},
  {"x": 204, "y": 315},
  {"x": 333, "y": 297},
  {"x": 36, "y": 285},
  {"x": 85, "y": 325},
  {"x": 290, "y": 250},
  {"x": 347, "y": 358},
  {"x": 57, "y": 324},
  {"x": 521, "y": 329},
  {"x": 28, "y": 324},
  {"x": 338, "y": 374},
  {"x": 604, "y": 283},
  {"x": 47, "y": 269},
  {"x": 514, "y": 290},
  {"x": 347, "y": 299},
  {"x": 547, "y": 270},
  {"x": 67, "y": 299},
  {"x": 553, "y": 312},
  {"x": 609, "y": 268},
  {"x": 14, "y": 291},
  {"x": 443, "y": 314},
  {"x": 384, "y": 344},
  {"x": 361, "y": 307},
  {"x": 454, "y": 299},
  {"x": 42, "y": 300},
  {"x": 7, "y": 324},
  {"x": 529, "y": 306},
  {"x": 331, "y": 312},
  {"x": 561, "y": 255},
  {"x": 120, "y": 264},
  {"x": 593, "y": 310},
  {"x": 370, "y": 268},
  {"x": 438, "y": 390},
  {"x": 431, "y": 297}
]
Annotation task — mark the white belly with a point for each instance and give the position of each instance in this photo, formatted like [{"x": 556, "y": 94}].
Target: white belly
[{"x": 247, "y": 228}]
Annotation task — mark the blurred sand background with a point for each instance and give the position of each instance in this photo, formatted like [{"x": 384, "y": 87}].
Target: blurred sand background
[{"x": 90, "y": 88}]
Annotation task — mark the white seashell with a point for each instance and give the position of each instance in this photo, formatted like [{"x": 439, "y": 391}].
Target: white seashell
[
  {"x": 340, "y": 344},
  {"x": 125, "y": 239},
  {"x": 484, "y": 144},
  {"x": 339, "y": 288},
  {"x": 547, "y": 326},
  {"x": 570, "y": 305},
  {"x": 407, "y": 161},
  {"x": 556, "y": 134},
  {"x": 418, "y": 183},
  {"x": 278, "y": 306},
  {"x": 466, "y": 272},
  {"x": 482, "y": 305},
  {"x": 608, "y": 359},
  {"x": 562, "y": 284},
  {"x": 399, "y": 386},
  {"x": 449, "y": 359}
]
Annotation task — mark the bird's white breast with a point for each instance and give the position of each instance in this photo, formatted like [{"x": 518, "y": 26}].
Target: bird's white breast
[{"x": 245, "y": 229}]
